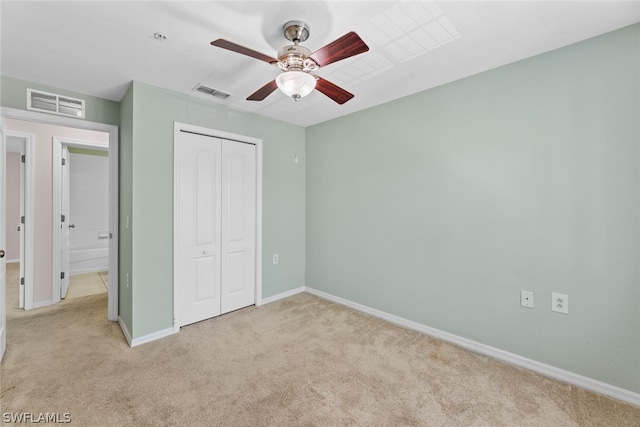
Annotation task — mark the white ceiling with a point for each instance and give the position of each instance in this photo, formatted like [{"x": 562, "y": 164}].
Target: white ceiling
[{"x": 98, "y": 48}]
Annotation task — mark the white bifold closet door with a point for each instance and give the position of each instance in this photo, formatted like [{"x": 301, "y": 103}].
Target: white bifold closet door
[{"x": 216, "y": 209}]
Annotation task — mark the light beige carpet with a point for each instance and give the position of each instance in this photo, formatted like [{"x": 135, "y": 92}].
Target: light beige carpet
[{"x": 301, "y": 361}]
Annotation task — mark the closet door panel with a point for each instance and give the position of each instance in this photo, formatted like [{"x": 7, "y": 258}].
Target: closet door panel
[
  {"x": 199, "y": 221},
  {"x": 238, "y": 225}
]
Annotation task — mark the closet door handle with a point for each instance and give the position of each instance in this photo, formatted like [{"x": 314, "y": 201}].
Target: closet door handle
[
  {"x": 1, "y": 253},
  {"x": 72, "y": 226},
  {"x": 205, "y": 252}
]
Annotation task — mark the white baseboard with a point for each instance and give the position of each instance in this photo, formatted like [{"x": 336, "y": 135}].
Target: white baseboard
[
  {"x": 125, "y": 330},
  {"x": 10, "y": 261},
  {"x": 134, "y": 342},
  {"x": 283, "y": 295},
  {"x": 505, "y": 356},
  {"x": 151, "y": 337}
]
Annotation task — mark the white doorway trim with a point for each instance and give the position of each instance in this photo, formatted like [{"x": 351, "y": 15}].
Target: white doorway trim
[
  {"x": 177, "y": 128},
  {"x": 3, "y": 276},
  {"x": 112, "y": 130},
  {"x": 58, "y": 143},
  {"x": 27, "y": 199}
]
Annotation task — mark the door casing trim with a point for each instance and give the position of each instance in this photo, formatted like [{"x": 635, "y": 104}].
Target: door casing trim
[{"x": 28, "y": 195}]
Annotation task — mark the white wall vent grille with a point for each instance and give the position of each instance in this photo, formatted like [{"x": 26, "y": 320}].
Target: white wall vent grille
[
  {"x": 57, "y": 104},
  {"x": 211, "y": 91}
]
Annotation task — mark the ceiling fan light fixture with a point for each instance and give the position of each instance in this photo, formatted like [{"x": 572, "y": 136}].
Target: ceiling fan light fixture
[
  {"x": 296, "y": 84},
  {"x": 297, "y": 63}
]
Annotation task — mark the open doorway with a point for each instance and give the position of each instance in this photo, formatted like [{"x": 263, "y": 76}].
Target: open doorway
[
  {"x": 44, "y": 292},
  {"x": 80, "y": 216}
]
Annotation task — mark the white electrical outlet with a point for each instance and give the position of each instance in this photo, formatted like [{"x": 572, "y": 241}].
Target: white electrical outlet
[
  {"x": 275, "y": 258},
  {"x": 560, "y": 303},
  {"x": 526, "y": 299}
]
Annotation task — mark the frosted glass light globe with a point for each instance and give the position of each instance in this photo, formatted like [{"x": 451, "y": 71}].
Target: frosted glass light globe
[{"x": 296, "y": 84}]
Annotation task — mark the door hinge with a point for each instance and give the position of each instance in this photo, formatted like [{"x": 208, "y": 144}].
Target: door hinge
[
  {"x": 22, "y": 280},
  {"x": 64, "y": 161},
  {"x": 23, "y": 158},
  {"x": 21, "y": 220},
  {"x": 62, "y": 275},
  {"x": 62, "y": 217}
]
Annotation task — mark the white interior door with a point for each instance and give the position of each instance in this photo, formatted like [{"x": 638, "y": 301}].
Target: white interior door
[
  {"x": 3, "y": 291},
  {"x": 65, "y": 225},
  {"x": 239, "y": 225},
  {"x": 199, "y": 222},
  {"x": 21, "y": 226}
]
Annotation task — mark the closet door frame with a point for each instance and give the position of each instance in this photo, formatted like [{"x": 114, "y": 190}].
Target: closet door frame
[{"x": 184, "y": 127}]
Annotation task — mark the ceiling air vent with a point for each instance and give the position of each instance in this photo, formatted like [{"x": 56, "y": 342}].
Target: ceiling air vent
[
  {"x": 57, "y": 104},
  {"x": 211, "y": 91}
]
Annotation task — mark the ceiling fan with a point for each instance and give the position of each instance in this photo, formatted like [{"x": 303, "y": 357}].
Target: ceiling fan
[{"x": 297, "y": 63}]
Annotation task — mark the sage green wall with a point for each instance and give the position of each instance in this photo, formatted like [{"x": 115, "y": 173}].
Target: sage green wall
[
  {"x": 154, "y": 112},
  {"x": 14, "y": 95},
  {"x": 440, "y": 207}
]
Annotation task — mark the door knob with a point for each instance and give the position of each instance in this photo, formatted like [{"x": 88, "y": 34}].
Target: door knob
[
  {"x": 72, "y": 226},
  {"x": 1, "y": 253}
]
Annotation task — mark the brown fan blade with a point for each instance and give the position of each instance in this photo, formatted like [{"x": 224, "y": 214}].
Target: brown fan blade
[
  {"x": 332, "y": 91},
  {"x": 263, "y": 92},
  {"x": 226, "y": 44},
  {"x": 346, "y": 46}
]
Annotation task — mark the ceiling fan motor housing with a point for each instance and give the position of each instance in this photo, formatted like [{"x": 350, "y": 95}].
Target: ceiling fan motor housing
[{"x": 296, "y": 58}]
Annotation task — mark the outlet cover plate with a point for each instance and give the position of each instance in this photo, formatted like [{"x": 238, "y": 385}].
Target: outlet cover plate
[{"x": 560, "y": 303}]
